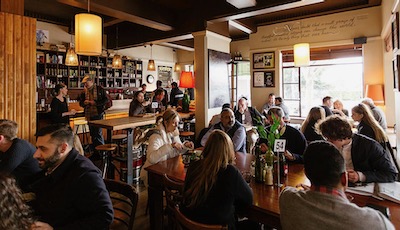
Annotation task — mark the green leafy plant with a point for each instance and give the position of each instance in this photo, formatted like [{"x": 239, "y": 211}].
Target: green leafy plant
[{"x": 273, "y": 132}]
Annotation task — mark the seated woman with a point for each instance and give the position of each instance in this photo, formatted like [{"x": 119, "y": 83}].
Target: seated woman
[
  {"x": 214, "y": 189},
  {"x": 338, "y": 109},
  {"x": 308, "y": 127},
  {"x": 368, "y": 126},
  {"x": 136, "y": 106},
  {"x": 165, "y": 143},
  {"x": 14, "y": 213}
]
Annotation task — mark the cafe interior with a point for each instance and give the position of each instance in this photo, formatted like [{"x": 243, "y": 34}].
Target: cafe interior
[{"x": 228, "y": 49}]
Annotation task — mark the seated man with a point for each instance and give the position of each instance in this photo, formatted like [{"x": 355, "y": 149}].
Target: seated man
[
  {"x": 324, "y": 205},
  {"x": 269, "y": 104},
  {"x": 327, "y": 105},
  {"x": 176, "y": 95},
  {"x": 157, "y": 104},
  {"x": 70, "y": 192},
  {"x": 16, "y": 155},
  {"x": 285, "y": 109},
  {"x": 232, "y": 127},
  {"x": 295, "y": 141},
  {"x": 366, "y": 160},
  {"x": 249, "y": 116},
  {"x": 217, "y": 117}
]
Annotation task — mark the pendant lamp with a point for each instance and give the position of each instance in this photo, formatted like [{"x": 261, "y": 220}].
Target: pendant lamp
[
  {"x": 117, "y": 60},
  {"x": 301, "y": 54},
  {"x": 71, "y": 58},
  {"x": 151, "y": 66},
  {"x": 88, "y": 33}
]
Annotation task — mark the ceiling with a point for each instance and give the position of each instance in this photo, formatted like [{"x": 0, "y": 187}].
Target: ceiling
[{"x": 171, "y": 22}]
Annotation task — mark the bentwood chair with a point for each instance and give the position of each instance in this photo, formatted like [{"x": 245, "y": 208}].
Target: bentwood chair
[
  {"x": 124, "y": 200},
  {"x": 183, "y": 223},
  {"x": 173, "y": 195}
]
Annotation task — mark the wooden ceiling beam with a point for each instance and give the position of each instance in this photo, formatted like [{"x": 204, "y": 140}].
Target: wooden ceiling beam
[{"x": 127, "y": 11}]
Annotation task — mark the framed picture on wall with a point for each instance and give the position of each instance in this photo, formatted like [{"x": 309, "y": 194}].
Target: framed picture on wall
[
  {"x": 396, "y": 66},
  {"x": 264, "y": 60},
  {"x": 264, "y": 79},
  {"x": 395, "y": 32}
]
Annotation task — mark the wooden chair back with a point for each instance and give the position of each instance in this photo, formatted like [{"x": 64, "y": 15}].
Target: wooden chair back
[
  {"x": 184, "y": 223},
  {"x": 124, "y": 199}
]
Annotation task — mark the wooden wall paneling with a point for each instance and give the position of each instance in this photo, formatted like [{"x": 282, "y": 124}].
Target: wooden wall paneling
[
  {"x": 3, "y": 89},
  {"x": 18, "y": 72},
  {"x": 12, "y": 6}
]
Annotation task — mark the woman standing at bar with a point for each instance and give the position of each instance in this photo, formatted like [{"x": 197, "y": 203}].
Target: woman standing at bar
[
  {"x": 214, "y": 189},
  {"x": 59, "y": 105}
]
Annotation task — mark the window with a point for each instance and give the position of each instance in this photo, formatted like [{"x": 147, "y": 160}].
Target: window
[{"x": 340, "y": 77}]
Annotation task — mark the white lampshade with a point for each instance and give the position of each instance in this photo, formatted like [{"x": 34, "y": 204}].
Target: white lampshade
[
  {"x": 117, "y": 62},
  {"x": 71, "y": 58},
  {"x": 301, "y": 54},
  {"x": 88, "y": 34}
]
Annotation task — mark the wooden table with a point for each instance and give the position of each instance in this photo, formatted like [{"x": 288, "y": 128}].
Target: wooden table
[
  {"x": 128, "y": 124},
  {"x": 265, "y": 208}
]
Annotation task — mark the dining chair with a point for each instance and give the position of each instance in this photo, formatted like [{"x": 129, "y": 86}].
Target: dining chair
[
  {"x": 184, "y": 223},
  {"x": 124, "y": 199},
  {"x": 173, "y": 195}
]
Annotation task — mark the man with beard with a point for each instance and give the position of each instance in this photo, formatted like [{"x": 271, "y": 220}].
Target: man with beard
[
  {"x": 70, "y": 192},
  {"x": 231, "y": 127}
]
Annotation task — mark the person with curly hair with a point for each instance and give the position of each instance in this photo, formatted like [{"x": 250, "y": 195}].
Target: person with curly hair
[{"x": 14, "y": 213}]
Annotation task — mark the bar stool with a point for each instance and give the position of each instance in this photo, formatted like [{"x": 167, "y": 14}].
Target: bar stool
[
  {"x": 85, "y": 138},
  {"x": 186, "y": 136},
  {"x": 119, "y": 139},
  {"x": 106, "y": 151}
]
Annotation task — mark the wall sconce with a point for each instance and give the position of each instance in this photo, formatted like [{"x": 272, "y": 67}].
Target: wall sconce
[
  {"x": 88, "y": 33},
  {"x": 151, "y": 66},
  {"x": 301, "y": 53},
  {"x": 375, "y": 92}
]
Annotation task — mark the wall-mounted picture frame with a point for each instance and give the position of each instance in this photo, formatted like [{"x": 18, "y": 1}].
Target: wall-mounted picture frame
[
  {"x": 264, "y": 60},
  {"x": 396, "y": 66},
  {"x": 395, "y": 32},
  {"x": 264, "y": 79}
]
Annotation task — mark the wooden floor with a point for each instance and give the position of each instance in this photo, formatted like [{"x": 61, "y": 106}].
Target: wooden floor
[{"x": 142, "y": 221}]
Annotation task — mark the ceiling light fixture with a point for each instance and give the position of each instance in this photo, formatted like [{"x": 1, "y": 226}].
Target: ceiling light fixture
[
  {"x": 117, "y": 60},
  {"x": 88, "y": 33},
  {"x": 151, "y": 66},
  {"x": 240, "y": 4},
  {"x": 301, "y": 54},
  {"x": 71, "y": 58}
]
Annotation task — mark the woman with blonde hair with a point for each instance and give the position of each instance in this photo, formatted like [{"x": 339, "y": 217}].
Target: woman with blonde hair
[
  {"x": 308, "y": 127},
  {"x": 214, "y": 189},
  {"x": 14, "y": 213},
  {"x": 165, "y": 143},
  {"x": 368, "y": 126},
  {"x": 338, "y": 109}
]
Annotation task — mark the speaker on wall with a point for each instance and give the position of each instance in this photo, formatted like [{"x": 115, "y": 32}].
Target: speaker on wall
[{"x": 360, "y": 40}]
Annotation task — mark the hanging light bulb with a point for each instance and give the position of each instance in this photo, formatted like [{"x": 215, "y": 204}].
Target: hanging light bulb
[
  {"x": 301, "y": 54},
  {"x": 117, "y": 60},
  {"x": 88, "y": 33},
  {"x": 151, "y": 66},
  {"x": 71, "y": 58},
  {"x": 177, "y": 67}
]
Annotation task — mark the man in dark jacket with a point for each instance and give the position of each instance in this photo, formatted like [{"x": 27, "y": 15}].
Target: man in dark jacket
[
  {"x": 70, "y": 192},
  {"x": 248, "y": 116},
  {"x": 16, "y": 155},
  {"x": 176, "y": 95},
  {"x": 366, "y": 160},
  {"x": 93, "y": 99}
]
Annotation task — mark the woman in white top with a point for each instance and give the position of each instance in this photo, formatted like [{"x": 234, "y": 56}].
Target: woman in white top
[{"x": 165, "y": 143}]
